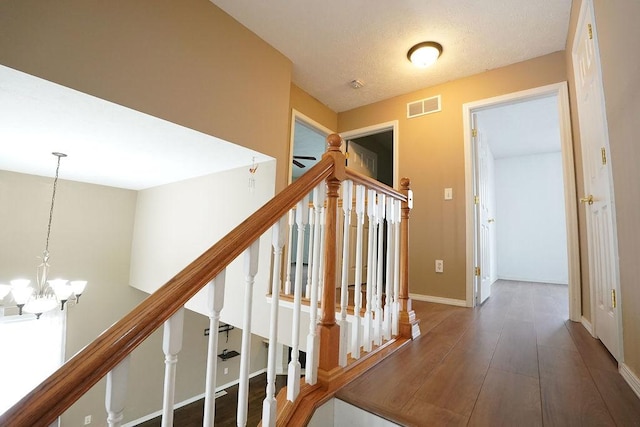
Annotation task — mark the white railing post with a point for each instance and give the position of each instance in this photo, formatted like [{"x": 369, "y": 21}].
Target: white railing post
[
  {"x": 269, "y": 407},
  {"x": 313, "y": 341},
  {"x": 287, "y": 283},
  {"x": 388, "y": 301},
  {"x": 310, "y": 255},
  {"x": 396, "y": 267},
  {"x": 368, "y": 314},
  {"x": 171, "y": 345},
  {"x": 293, "y": 377},
  {"x": 215, "y": 305},
  {"x": 250, "y": 270},
  {"x": 347, "y": 200},
  {"x": 379, "y": 264},
  {"x": 357, "y": 296},
  {"x": 116, "y": 393}
]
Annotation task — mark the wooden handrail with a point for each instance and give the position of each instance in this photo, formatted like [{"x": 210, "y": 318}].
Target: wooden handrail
[
  {"x": 369, "y": 182},
  {"x": 65, "y": 386}
]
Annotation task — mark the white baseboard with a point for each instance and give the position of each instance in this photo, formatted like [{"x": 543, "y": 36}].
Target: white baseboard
[
  {"x": 219, "y": 392},
  {"x": 439, "y": 300},
  {"x": 587, "y": 326},
  {"x": 630, "y": 378},
  {"x": 534, "y": 280}
]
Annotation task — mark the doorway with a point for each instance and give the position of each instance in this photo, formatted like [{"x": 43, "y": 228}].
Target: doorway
[
  {"x": 379, "y": 142},
  {"x": 507, "y": 203}
]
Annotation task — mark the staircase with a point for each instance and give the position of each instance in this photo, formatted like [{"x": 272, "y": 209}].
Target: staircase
[{"x": 341, "y": 342}]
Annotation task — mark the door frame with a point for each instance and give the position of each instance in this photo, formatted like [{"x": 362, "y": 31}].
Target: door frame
[
  {"x": 308, "y": 121},
  {"x": 378, "y": 128},
  {"x": 560, "y": 90}
]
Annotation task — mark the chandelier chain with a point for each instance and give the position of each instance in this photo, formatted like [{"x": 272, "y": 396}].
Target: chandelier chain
[{"x": 53, "y": 200}]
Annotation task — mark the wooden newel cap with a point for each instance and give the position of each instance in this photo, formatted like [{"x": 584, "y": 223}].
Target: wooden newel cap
[
  {"x": 334, "y": 141},
  {"x": 405, "y": 183}
]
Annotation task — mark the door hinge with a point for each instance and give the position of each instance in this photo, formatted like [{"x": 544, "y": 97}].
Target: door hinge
[
  {"x": 603, "y": 153},
  {"x": 474, "y": 132},
  {"x": 477, "y": 271},
  {"x": 614, "y": 301},
  {"x": 590, "y": 31},
  {"x": 476, "y": 200}
]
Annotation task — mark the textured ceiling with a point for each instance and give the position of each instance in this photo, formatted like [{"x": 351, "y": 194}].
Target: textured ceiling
[{"x": 333, "y": 42}]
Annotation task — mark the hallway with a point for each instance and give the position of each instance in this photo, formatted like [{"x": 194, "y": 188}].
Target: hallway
[{"x": 515, "y": 361}]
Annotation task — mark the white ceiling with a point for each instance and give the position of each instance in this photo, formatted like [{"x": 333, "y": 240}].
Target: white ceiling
[
  {"x": 332, "y": 43},
  {"x": 106, "y": 143},
  {"x": 522, "y": 128}
]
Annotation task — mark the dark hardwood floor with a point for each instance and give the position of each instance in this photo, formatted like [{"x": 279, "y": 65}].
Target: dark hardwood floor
[
  {"x": 514, "y": 361},
  {"x": 191, "y": 415}
]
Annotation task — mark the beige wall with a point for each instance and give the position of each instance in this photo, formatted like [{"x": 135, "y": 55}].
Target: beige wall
[
  {"x": 184, "y": 61},
  {"x": 618, "y": 33},
  {"x": 312, "y": 108},
  {"x": 431, "y": 153}
]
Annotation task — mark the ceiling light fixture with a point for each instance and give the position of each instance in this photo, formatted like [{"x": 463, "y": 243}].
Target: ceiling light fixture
[
  {"x": 46, "y": 294},
  {"x": 424, "y": 54}
]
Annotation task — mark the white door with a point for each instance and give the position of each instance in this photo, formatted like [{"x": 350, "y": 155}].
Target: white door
[
  {"x": 598, "y": 202},
  {"x": 483, "y": 231},
  {"x": 362, "y": 160}
]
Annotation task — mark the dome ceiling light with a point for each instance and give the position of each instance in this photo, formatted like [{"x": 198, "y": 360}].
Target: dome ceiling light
[{"x": 424, "y": 54}]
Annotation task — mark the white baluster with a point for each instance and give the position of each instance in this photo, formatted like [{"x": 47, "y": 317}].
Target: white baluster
[
  {"x": 215, "y": 305},
  {"x": 250, "y": 270},
  {"x": 171, "y": 345},
  {"x": 396, "y": 268},
  {"x": 347, "y": 197},
  {"x": 116, "y": 393},
  {"x": 310, "y": 256},
  {"x": 269, "y": 404},
  {"x": 357, "y": 296},
  {"x": 293, "y": 377},
  {"x": 313, "y": 340},
  {"x": 368, "y": 315},
  {"x": 287, "y": 283},
  {"x": 388, "y": 302},
  {"x": 379, "y": 276},
  {"x": 323, "y": 242}
]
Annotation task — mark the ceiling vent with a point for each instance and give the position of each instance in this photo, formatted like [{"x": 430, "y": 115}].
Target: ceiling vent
[{"x": 423, "y": 106}]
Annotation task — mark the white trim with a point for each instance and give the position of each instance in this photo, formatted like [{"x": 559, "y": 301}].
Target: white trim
[
  {"x": 380, "y": 127},
  {"x": 630, "y": 378},
  {"x": 524, "y": 279},
  {"x": 573, "y": 254},
  {"x": 308, "y": 121},
  {"x": 220, "y": 391},
  {"x": 439, "y": 300},
  {"x": 587, "y": 326}
]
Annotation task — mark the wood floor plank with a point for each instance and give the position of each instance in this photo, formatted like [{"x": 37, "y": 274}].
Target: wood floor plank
[
  {"x": 572, "y": 402},
  {"x": 623, "y": 404},
  {"x": 507, "y": 399},
  {"x": 516, "y": 351},
  {"x": 455, "y": 384},
  {"x": 552, "y": 332},
  {"x": 594, "y": 353}
]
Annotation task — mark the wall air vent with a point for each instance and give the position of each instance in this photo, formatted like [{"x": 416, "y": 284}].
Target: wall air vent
[{"x": 423, "y": 106}]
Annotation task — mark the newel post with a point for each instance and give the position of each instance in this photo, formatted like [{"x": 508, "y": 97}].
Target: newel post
[
  {"x": 409, "y": 325},
  {"x": 328, "y": 329}
]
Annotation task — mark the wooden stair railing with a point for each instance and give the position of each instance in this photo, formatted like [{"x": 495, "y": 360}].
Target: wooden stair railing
[{"x": 108, "y": 354}]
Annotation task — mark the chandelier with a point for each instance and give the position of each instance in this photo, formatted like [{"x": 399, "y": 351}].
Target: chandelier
[{"x": 45, "y": 295}]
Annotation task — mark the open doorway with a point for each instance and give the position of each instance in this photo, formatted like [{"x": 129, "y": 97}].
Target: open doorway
[
  {"x": 521, "y": 214},
  {"x": 373, "y": 151}
]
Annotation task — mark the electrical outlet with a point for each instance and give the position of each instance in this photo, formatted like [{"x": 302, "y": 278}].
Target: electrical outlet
[
  {"x": 226, "y": 371},
  {"x": 439, "y": 266},
  {"x": 87, "y": 420}
]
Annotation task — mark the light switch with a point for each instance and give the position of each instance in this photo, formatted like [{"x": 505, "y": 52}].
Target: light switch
[{"x": 448, "y": 193}]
